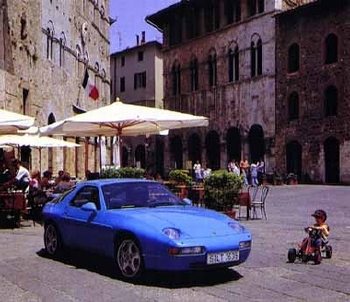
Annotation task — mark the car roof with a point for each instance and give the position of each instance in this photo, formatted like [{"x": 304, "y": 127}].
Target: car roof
[{"x": 107, "y": 181}]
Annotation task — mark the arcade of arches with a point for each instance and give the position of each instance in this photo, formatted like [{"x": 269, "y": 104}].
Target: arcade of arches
[{"x": 208, "y": 151}]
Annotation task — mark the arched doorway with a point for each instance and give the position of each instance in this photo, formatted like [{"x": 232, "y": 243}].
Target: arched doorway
[
  {"x": 194, "y": 148},
  {"x": 176, "y": 151},
  {"x": 159, "y": 155},
  {"x": 140, "y": 156},
  {"x": 331, "y": 156},
  {"x": 294, "y": 158},
  {"x": 256, "y": 143},
  {"x": 125, "y": 157},
  {"x": 233, "y": 143},
  {"x": 212, "y": 146}
]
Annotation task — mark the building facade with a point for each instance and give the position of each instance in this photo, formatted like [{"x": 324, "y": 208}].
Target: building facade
[
  {"x": 313, "y": 96},
  {"x": 137, "y": 78},
  {"x": 47, "y": 47},
  {"x": 219, "y": 61}
]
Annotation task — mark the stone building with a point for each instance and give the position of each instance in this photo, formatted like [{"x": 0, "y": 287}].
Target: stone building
[
  {"x": 313, "y": 95},
  {"x": 46, "y": 47},
  {"x": 219, "y": 61},
  {"x": 137, "y": 78}
]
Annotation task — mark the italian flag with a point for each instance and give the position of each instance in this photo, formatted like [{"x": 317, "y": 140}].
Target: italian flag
[{"x": 90, "y": 88}]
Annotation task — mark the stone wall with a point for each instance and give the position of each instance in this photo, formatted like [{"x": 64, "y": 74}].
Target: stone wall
[
  {"x": 308, "y": 27},
  {"x": 49, "y": 58}
]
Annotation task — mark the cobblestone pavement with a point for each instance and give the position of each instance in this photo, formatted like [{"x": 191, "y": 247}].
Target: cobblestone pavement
[{"x": 27, "y": 275}]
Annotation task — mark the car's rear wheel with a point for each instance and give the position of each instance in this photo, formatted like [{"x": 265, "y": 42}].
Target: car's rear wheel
[
  {"x": 128, "y": 258},
  {"x": 52, "y": 240}
]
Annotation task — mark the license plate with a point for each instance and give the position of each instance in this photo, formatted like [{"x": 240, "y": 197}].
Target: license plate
[{"x": 223, "y": 257}]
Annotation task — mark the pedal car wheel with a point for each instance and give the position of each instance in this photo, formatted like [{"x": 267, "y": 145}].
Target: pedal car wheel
[
  {"x": 329, "y": 251},
  {"x": 292, "y": 254},
  {"x": 317, "y": 257}
]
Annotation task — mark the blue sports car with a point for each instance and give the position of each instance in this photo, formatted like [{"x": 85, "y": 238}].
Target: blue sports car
[{"x": 142, "y": 225}]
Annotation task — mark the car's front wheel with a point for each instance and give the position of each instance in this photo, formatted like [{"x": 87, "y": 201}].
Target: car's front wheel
[
  {"x": 128, "y": 259},
  {"x": 52, "y": 240}
]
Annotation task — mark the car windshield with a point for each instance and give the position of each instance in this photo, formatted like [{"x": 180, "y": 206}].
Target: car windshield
[{"x": 138, "y": 194}]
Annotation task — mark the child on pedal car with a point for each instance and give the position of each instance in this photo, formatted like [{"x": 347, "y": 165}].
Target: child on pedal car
[{"x": 318, "y": 241}]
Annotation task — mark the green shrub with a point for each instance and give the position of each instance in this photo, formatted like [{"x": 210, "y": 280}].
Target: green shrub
[
  {"x": 221, "y": 190},
  {"x": 180, "y": 177},
  {"x": 124, "y": 172}
]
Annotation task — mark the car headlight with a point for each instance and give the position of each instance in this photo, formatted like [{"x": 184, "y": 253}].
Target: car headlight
[
  {"x": 172, "y": 233},
  {"x": 237, "y": 227},
  {"x": 245, "y": 244},
  {"x": 185, "y": 251}
]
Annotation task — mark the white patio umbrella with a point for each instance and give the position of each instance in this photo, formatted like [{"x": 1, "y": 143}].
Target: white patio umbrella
[
  {"x": 35, "y": 141},
  {"x": 123, "y": 119},
  {"x": 10, "y": 122},
  {"x": 119, "y": 119}
]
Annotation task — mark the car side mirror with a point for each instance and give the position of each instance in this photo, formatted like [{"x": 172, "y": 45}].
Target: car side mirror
[
  {"x": 187, "y": 201},
  {"x": 89, "y": 207}
]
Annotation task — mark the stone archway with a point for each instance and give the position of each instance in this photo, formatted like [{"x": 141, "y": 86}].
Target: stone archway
[
  {"x": 176, "y": 151},
  {"x": 294, "y": 158},
  {"x": 159, "y": 155},
  {"x": 332, "y": 159},
  {"x": 256, "y": 143},
  {"x": 140, "y": 155},
  {"x": 233, "y": 143},
  {"x": 212, "y": 146},
  {"x": 194, "y": 148}
]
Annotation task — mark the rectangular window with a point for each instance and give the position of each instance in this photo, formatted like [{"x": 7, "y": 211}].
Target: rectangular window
[
  {"x": 140, "y": 56},
  {"x": 122, "y": 61},
  {"x": 140, "y": 80},
  {"x": 122, "y": 84}
]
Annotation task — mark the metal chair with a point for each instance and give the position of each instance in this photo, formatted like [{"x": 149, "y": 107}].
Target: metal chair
[{"x": 259, "y": 203}]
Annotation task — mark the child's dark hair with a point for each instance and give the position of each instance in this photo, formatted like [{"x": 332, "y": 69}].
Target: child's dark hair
[{"x": 320, "y": 213}]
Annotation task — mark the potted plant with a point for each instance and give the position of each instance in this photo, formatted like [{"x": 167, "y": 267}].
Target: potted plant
[
  {"x": 292, "y": 179},
  {"x": 221, "y": 191},
  {"x": 124, "y": 172},
  {"x": 180, "y": 180}
]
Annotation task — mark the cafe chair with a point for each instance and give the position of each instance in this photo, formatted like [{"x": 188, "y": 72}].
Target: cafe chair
[
  {"x": 244, "y": 202},
  {"x": 259, "y": 203}
]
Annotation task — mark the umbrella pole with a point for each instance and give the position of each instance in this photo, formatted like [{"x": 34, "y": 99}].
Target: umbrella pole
[
  {"x": 40, "y": 160},
  {"x": 86, "y": 144},
  {"x": 100, "y": 151}
]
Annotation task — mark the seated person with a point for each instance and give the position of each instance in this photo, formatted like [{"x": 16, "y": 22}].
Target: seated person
[
  {"x": 45, "y": 180},
  {"x": 22, "y": 178},
  {"x": 64, "y": 185}
]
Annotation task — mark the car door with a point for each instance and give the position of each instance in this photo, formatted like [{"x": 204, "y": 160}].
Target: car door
[{"x": 83, "y": 225}]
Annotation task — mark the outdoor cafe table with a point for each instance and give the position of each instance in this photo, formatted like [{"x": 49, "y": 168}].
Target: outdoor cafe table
[{"x": 245, "y": 201}]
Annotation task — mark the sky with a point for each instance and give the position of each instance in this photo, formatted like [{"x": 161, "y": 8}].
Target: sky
[{"x": 130, "y": 15}]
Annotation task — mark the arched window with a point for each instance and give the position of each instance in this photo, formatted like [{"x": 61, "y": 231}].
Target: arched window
[
  {"x": 62, "y": 48},
  {"x": 256, "y": 7},
  {"x": 256, "y": 56},
  {"x": 331, "y": 49},
  {"x": 212, "y": 68},
  {"x": 232, "y": 11},
  {"x": 293, "y": 58},
  {"x": 233, "y": 64},
  {"x": 293, "y": 106},
  {"x": 331, "y": 101},
  {"x": 49, "y": 42},
  {"x": 176, "y": 78},
  {"x": 194, "y": 73}
]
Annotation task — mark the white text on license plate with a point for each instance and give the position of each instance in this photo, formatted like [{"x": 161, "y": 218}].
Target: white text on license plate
[{"x": 223, "y": 257}]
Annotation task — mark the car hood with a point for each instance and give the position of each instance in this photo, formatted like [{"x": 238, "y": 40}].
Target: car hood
[{"x": 192, "y": 222}]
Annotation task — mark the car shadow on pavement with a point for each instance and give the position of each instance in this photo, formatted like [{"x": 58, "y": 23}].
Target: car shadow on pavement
[{"x": 102, "y": 266}]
